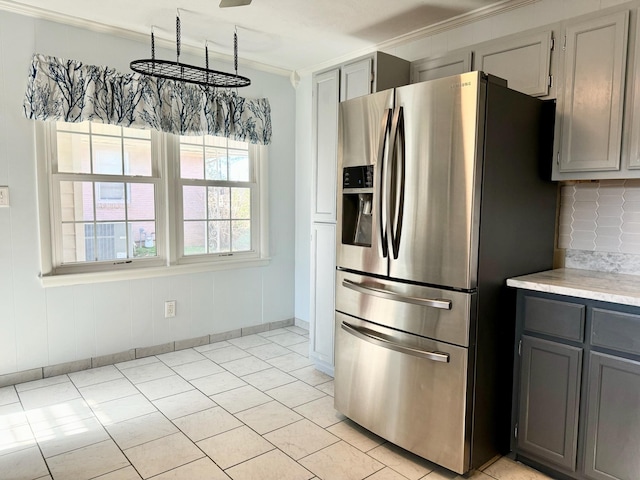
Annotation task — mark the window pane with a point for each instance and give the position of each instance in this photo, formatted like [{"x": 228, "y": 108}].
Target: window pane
[
  {"x": 239, "y": 166},
  {"x": 219, "y": 236},
  {"x": 191, "y": 164},
  {"x": 241, "y": 240},
  {"x": 219, "y": 203},
  {"x": 107, "y": 155},
  {"x": 216, "y": 163},
  {"x": 141, "y": 203},
  {"x": 143, "y": 243},
  {"x": 194, "y": 205},
  {"x": 212, "y": 141},
  {"x": 110, "y": 241},
  {"x": 73, "y": 153},
  {"x": 106, "y": 129},
  {"x": 76, "y": 201},
  {"x": 74, "y": 242},
  {"x": 137, "y": 156},
  {"x": 82, "y": 127},
  {"x": 110, "y": 204},
  {"x": 195, "y": 235},
  {"x": 241, "y": 203}
]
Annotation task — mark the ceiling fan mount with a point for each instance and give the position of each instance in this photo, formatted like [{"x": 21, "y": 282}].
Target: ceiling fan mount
[{"x": 233, "y": 3}]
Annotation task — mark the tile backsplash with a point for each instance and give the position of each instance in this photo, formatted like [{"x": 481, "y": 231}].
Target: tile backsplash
[{"x": 599, "y": 225}]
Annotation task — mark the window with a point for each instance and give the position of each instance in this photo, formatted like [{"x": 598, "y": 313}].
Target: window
[{"x": 123, "y": 198}]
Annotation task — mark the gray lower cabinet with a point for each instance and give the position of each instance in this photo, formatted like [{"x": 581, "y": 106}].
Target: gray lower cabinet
[
  {"x": 577, "y": 387},
  {"x": 550, "y": 396}
]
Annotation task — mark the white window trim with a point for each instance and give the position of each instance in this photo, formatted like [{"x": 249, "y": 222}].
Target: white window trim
[{"x": 170, "y": 262}]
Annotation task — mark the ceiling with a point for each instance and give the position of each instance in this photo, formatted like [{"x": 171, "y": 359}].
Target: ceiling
[{"x": 286, "y": 34}]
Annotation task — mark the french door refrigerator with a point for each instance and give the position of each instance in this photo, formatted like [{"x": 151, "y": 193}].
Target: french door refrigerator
[{"x": 441, "y": 197}]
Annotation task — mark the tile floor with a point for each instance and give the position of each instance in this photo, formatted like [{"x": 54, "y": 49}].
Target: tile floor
[{"x": 251, "y": 408}]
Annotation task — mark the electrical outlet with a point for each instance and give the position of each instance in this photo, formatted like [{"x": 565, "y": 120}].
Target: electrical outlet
[
  {"x": 169, "y": 308},
  {"x": 4, "y": 196}
]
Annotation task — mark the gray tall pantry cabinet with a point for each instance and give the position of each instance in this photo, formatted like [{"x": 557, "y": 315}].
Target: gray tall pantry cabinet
[
  {"x": 371, "y": 73},
  {"x": 577, "y": 387}
]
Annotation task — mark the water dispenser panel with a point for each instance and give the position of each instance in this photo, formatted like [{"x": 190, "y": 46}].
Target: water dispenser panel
[{"x": 358, "y": 177}]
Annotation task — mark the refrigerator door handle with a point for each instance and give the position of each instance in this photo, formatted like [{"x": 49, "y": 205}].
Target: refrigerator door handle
[
  {"x": 371, "y": 337},
  {"x": 441, "y": 303},
  {"x": 383, "y": 166},
  {"x": 398, "y": 146}
]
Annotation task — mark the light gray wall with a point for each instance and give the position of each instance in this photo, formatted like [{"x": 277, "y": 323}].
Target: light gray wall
[{"x": 46, "y": 326}]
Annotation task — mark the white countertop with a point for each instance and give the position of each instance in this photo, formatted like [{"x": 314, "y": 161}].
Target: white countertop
[{"x": 604, "y": 286}]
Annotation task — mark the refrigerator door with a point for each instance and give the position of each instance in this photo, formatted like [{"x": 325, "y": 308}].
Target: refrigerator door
[
  {"x": 435, "y": 177},
  {"x": 363, "y": 135}
]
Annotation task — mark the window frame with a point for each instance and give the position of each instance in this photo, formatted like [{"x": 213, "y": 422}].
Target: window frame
[{"x": 168, "y": 236}]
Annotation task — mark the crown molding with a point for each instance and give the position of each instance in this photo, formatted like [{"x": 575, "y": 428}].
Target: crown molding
[
  {"x": 44, "y": 14},
  {"x": 449, "y": 24}
]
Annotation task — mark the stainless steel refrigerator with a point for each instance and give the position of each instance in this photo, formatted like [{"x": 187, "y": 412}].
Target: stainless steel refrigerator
[{"x": 442, "y": 195}]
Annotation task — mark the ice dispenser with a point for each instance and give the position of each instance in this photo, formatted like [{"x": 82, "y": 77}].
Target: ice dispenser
[{"x": 357, "y": 205}]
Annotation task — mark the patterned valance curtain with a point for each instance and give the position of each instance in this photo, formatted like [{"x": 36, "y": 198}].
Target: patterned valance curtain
[{"x": 69, "y": 91}]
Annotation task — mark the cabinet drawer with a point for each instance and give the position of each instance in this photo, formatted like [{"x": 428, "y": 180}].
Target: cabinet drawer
[
  {"x": 616, "y": 330},
  {"x": 560, "y": 319}
]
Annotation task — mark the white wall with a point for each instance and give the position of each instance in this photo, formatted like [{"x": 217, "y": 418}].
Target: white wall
[
  {"x": 47, "y": 326},
  {"x": 543, "y": 12}
]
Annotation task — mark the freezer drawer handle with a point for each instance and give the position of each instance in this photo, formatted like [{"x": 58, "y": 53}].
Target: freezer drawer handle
[
  {"x": 442, "y": 303},
  {"x": 368, "y": 336}
]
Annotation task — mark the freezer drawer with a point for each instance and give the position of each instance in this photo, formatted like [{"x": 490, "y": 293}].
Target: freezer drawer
[
  {"x": 409, "y": 390},
  {"x": 429, "y": 312}
]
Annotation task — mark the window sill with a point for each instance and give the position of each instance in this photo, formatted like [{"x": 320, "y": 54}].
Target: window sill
[{"x": 68, "y": 279}]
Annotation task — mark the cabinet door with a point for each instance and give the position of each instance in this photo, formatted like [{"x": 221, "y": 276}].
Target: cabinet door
[
  {"x": 357, "y": 79},
  {"x": 592, "y": 94},
  {"x": 549, "y": 399},
  {"x": 325, "y": 127},
  {"x": 524, "y": 61},
  {"x": 432, "y": 68},
  {"x": 613, "y": 419},
  {"x": 323, "y": 286},
  {"x": 634, "y": 116}
]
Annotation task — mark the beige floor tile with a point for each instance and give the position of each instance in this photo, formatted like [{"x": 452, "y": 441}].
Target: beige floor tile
[
  {"x": 246, "y": 366},
  {"x": 273, "y": 333},
  {"x": 26, "y": 463},
  {"x": 341, "y": 461},
  {"x": 88, "y": 462},
  {"x": 141, "y": 429},
  {"x": 12, "y": 415},
  {"x": 507, "y": 469},
  {"x": 16, "y": 438},
  {"x": 70, "y": 436},
  {"x": 273, "y": 465},
  {"x": 289, "y": 362},
  {"x": 403, "y": 462},
  {"x": 300, "y": 348},
  {"x": 234, "y": 447},
  {"x": 248, "y": 341},
  {"x": 93, "y": 376},
  {"x": 188, "y": 355},
  {"x": 147, "y": 372},
  {"x": 321, "y": 411},
  {"x": 164, "y": 387},
  {"x": 239, "y": 399},
  {"x": 217, "y": 383},
  {"x": 442, "y": 474},
  {"x": 49, "y": 395},
  {"x": 268, "y": 379},
  {"x": 301, "y": 439},
  {"x": 123, "y": 409},
  {"x": 8, "y": 395},
  {"x": 201, "y": 469},
  {"x": 226, "y": 354},
  {"x": 136, "y": 363},
  {"x": 386, "y": 474},
  {"x": 355, "y": 435},
  {"x": 199, "y": 369},
  {"x": 109, "y": 390},
  {"x": 184, "y": 404},
  {"x": 328, "y": 388},
  {"x": 267, "y": 417},
  {"x": 163, "y": 454},
  {"x": 58, "y": 414},
  {"x": 126, "y": 473},
  {"x": 298, "y": 330},
  {"x": 43, "y": 382},
  {"x": 212, "y": 346},
  {"x": 294, "y": 394},
  {"x": 311, "y": 375},
  {"x": 268, "y": 351},
  {"x": 207, "y": 423},
  {"x": 288, "y": 338}
]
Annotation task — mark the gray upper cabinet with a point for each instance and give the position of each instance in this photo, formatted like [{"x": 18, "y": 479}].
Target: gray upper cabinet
[
  {"x": 439, "y": 67},
  {"x": 592, "y": 95},
  {"x": 524, "y": 60},
  {"x": 633, "y": 117},
  {"x": 356, "y": 79}
]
